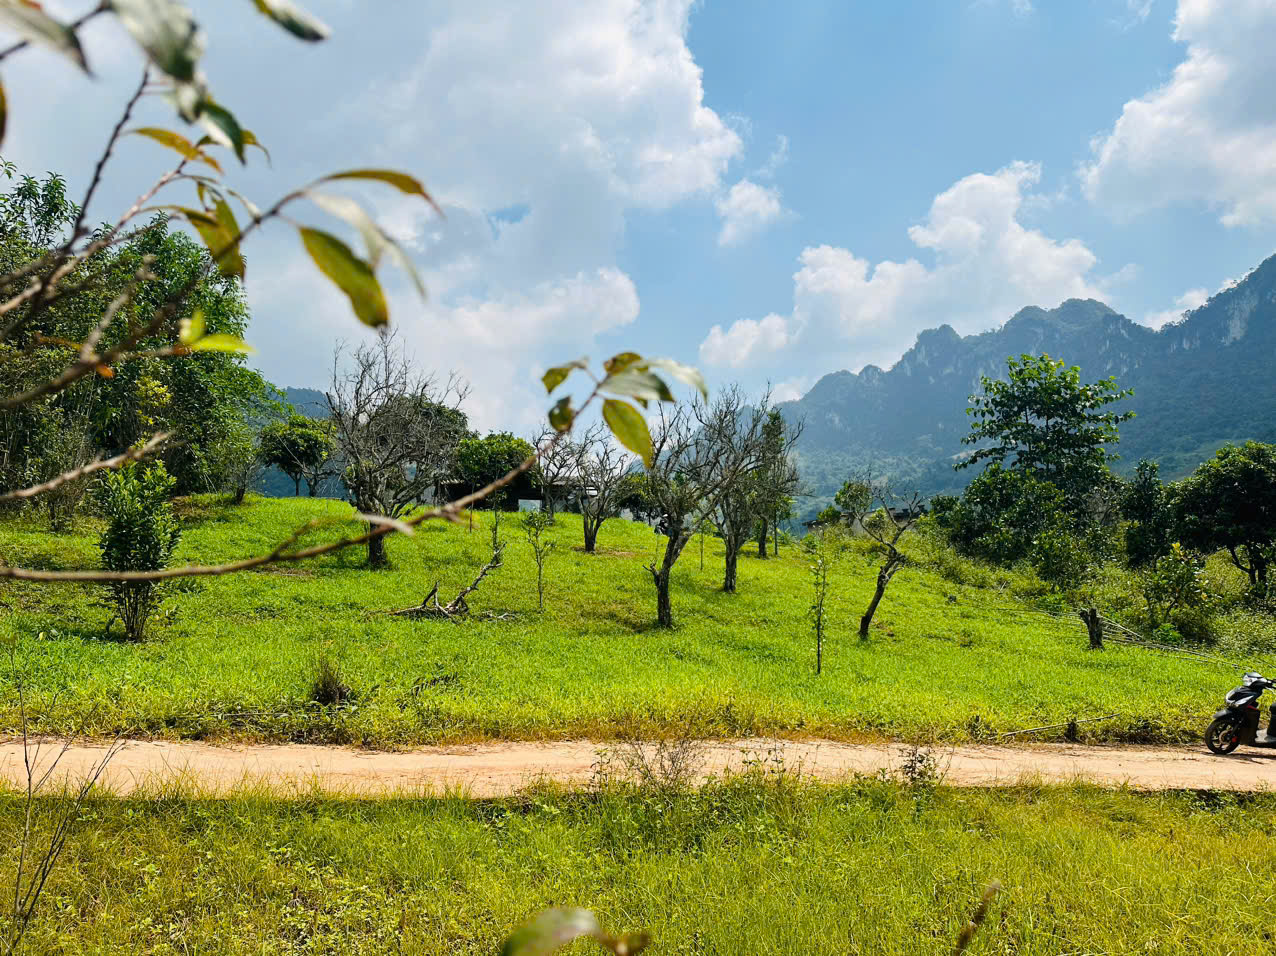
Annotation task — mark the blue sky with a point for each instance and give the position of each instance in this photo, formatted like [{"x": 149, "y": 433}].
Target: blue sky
[{"x": 770, "y": 191}]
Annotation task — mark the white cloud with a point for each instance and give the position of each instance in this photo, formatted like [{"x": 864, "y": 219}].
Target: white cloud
[
  {"x": 746, "y": 210},
  {"x": 1209, "y": 133},
  {"x": 986, "y": 266},
  {"x": 1189, "y": 300},
  {"x": 779, "y": 156},
  {"x": 792, "y": 389}
]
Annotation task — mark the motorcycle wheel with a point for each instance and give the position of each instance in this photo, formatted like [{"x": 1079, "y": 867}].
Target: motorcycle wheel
[{"x": 1222, "y": 736}]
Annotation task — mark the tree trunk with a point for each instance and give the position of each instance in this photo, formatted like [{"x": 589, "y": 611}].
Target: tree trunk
[
  {"x": 1094, "y": 627},
  {"x": 762, "y": 538},
  {"x": 775, "y": 538},
  {"x": 883, "y": 579},
  {"x": 312, "y": 487},
  {"x": 1258, "y": 561},
  {"x": 664, "y": 610},
  {"x": 733, "y": 556},
  {"x": 376, "y": 553},
  {"x": 591, "y": 536},
  {"x": 296, "y": 487},
  {"x": 238, "y": 498}
]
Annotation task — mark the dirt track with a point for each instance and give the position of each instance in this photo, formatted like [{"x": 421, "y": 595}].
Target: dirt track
[{"x": 496, "y": 769}]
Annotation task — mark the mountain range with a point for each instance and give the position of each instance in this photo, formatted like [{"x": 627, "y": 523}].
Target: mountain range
[{"x": 1200, "y": 382}]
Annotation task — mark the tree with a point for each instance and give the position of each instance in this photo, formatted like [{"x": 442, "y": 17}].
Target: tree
[
  {"x": 141, "y": 534},
  {"x": 396, "y": 430},
  {"x": 693, "y": 464},
  {"x": 604, "y": 476},
  {"x": 1175, "y": 580},
  {"x": 736, "y": 439},
  {"x": 535, "y": 524},
  {"x": 483, "y": 460},
  {"x": 1146, "y": 506},
  {"x": 557, "y": 468},
  {"x": 1229, "y": 502},
  {"x": 874, "y": 507},
  {"x": 235, "y": 464},
  {"x": 300, "y": 447},
  {"x": 1001, "y": 514},
  {"x": 777, "y": 481},
  {"x": 1044, "y": 422}
]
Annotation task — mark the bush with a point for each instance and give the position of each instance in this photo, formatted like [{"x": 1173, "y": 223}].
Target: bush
[{"x": 141, "y": 535}]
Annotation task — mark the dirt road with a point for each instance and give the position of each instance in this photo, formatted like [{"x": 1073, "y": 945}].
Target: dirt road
[{"x": 496, "y": 769}]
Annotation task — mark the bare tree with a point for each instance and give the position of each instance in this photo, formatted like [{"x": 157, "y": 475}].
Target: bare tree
[
  {"x": 884, "y": 515},
  {"x": 738, "y": 432},
  {"x": 604, "y": 473},
  {"x": 556, "y": 469},
  {"x": 396, "y": 429},
  {"x": 691, "y": 468}
]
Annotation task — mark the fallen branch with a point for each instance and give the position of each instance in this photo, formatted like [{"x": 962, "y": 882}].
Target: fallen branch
[
  {"x": 457, "y": 608},
  {"x": 1069, "y": 723}
]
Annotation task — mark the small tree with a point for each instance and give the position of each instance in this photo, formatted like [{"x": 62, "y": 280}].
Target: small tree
[
  {"x": 1151, "y": 519},
  {"x": 737, "y": 441},
  {"x": 873, "y": 506},
  {"x": 397, "y": 431},
  {"x": 141, "y": 534},
  {"x": 1043, "y": 421},
  {"x": 777, "y": 480},
  {"x": 1229, "y": 502},
  {"x": 822, "y": 557},
  {"x": 604, "y": 473},
  {"x": 300, "y": 447},
  {"x": 535, "y": 524},
  {"x": 1176, "y": 580},
  {"x": 235, "y": 464}
]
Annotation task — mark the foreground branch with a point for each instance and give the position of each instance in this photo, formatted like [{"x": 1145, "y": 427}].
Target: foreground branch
[{"x": 102, "y": 464}]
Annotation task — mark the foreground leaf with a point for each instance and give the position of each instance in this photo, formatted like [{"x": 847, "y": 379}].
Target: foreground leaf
[
  {"x": 217, "y": 237},
  {"x": 192, "y": 330},
  {"x": 35, "y": 26},
  {"x": 221, "y": 342},
  {"x": 558, "y": 374},
  {"x": 4, "y": 112},
  {"x": 638, "y": 384},
  {"x": 234, "y": 264},
  {"x": 684, "y": 373},
  {"x": 294, "y": 19},
  {"x": 222, "y": 127},
  {"x": 376, "y": 239},
  {"x": 629, "y": 427},
  {"x": 349, "y": 273},
  {"x": 555, "y": 928},
  {"x": 562, "y": 415},
  {"x": 177, "y": 143},
  {"x": 168, "y": 33},
  {"x": 400, "y": 181}
]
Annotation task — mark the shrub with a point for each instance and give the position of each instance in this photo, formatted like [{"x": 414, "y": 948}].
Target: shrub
[{"x": 141, "y": 535}]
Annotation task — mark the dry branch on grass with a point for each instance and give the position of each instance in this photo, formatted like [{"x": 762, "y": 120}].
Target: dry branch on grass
[{"x": 457, "y": 608}]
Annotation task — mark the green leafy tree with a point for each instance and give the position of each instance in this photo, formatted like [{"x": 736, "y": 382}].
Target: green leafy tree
[
  {"x": 1043, "y": 421},
  {"x": 1002, "y": 514},
  {"x": 1147, "y": 508},
  {"x": 1229, "y": 503},
  {"x": 480, "y": 461},
  {"x": 300, "y": 447},
  {"x": 141, "y": 534},
  {"x": 777, "y": 480},
  {"x": 1176, "y": 580}
]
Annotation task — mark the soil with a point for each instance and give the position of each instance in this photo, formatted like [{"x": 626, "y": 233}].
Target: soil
[{"x": 498, "y": 769}]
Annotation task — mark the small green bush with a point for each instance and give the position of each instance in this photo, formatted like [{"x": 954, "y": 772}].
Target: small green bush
[{"x": 141, "y": 534}]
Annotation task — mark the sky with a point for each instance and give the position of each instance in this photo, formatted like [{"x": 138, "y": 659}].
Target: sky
[{"x": 770, "y": 192}]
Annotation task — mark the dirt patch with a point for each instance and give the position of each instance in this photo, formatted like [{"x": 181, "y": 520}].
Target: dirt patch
[{"x": 489, "y": 770}]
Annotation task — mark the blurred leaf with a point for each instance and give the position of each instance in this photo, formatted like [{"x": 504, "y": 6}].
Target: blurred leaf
[
  {"x": 400, "y": 181},
  {"x": 188, "y": 100},
  {"x": 234, "y": 264},
  {"x": 222, "y": 127},
  {"x": 558, "y": 374},
  {"x": 31, "y": 23},
  {"x": 293, "y": 19},
  {"x": 377, "y": 240},
  {"x": 639, "y": 384},
  {"x": 561, "y": 415},
  {"x": 400, "y": 526},
  {"x": 4, "y": 112},
  {"x": 178, "y": 143},
  {"x": 105, "y": 371},
  {"x": 192, "y": 330},
  {"x": 351, "y": 275},
  {"x": 555, "y": 928},
  {"x": 618, "y": 363},
  {"x": 218, "y": 235},
  {"x": 168, "y": 33},
  {"x": 629, "y": 427},
  {"x": 221, "y": 343},
  {"x": 250, "y": 139},
  {"x": 684, "y": 373}
]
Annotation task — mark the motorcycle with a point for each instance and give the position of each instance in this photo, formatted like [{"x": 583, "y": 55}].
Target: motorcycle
[{"x": 1237, "y": 722}]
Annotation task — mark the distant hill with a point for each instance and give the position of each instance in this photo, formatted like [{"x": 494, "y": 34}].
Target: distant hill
[{"x": 1199, "y": 383}]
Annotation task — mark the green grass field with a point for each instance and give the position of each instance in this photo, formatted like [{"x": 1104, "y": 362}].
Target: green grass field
[
  {"x": 741, "y": 867},
  {"x": 237, "y": 655}
]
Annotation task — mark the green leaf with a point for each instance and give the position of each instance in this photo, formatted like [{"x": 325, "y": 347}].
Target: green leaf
[
  {"x": 351, "y": 275},
  {"x": 168, "y": 33},
  {"x": 218, "y": 234},
  {"x": 250, "y": 139},
  {"x": 293, "y": 19},
  {"x": 192, "y": 330},
  {"x": 562, "y": 415},
  {"x": 400, "y": 181},
  {"x": 31, "y": 23},
  {"x": 221, "y": 343},
  {"x": 629, "y": 427},
  {"x": 684, "y": 373},
  {"x": 177, "y": 143},
  {"x": 233, "y": 263},
  {"x": 377, "y": 240},
  {"x": 618, "y": 363},
  {"x": 222, "y": 127},
  {"x": 558, "y": 374},
  {"x": 638, "y": 384}
]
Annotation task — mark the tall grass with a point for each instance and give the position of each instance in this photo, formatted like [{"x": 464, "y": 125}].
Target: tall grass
[
  {"x": 746, "y": 866},
  {"x": 955, "y": 653}
]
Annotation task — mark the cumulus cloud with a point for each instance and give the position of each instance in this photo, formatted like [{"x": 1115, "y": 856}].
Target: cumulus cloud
[
  {"x": 1189, "y": 300},
  {"x": 986, "y": 265},
  {"x": 746, "y": 210},
  {"x": 1208, "y": 134}
]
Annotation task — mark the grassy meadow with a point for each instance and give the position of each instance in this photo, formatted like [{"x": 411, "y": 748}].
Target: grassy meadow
[
  {"x": 238, "y": 656},
  {"x": 747, "y": 866}
]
